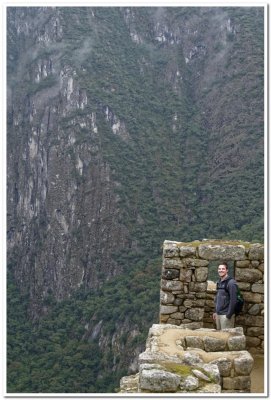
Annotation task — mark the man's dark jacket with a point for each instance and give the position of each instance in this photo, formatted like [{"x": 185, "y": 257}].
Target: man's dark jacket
[{"x": 225, "y": 300}]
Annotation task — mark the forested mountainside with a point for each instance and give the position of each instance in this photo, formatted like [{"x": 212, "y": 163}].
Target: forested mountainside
[{"x": 125, "y": 127}]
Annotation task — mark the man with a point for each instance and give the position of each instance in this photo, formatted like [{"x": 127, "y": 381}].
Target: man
[{"x": 225, "y": 300}]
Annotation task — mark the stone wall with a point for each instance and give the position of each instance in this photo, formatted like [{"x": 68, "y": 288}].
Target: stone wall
[
  {"x": 178, "y": 359},
  {"x": 188, "y": 298}
]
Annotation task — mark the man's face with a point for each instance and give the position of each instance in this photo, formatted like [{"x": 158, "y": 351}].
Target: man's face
[{"x": 222, "y": 271}]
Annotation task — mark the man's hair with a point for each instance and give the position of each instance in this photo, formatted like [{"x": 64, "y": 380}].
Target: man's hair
[{"x": 224, "y": 263}]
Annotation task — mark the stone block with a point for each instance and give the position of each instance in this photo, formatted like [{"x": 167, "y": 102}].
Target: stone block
[
  {"x": 185, "y": 275},
  {"x": 194, "y": 303},
  {"x": 191, "y": 325},
  {"x": 254, "y": 310},
  {"x": 210, "y": 388},
  {"x": 243, "y": 365},
  {"x": 255, "y": 264},
  {"x": 150, "y": 366},
  {"x": 256, "y": 252},
  {"x": 236, "y": 343},
  {"x": 173, "y": 263},
  {"x": 174, "y": 321},
  {"x": 253, "y": 341},
  {"x": 248, "y": 275},
  {"x": 170, "y": 273},
  {"x": 244, "y": 286},
  {"x": 237, "y": 383},
  {"x": 222, "y": 252},
  {"x": 189, "y": 383},
  {"x": 214, "y": 344},
  {"x": 242, "y": 264},
  {"x": 201, "y": 274},
  {"x": 158, "y": 381},
  {"x": 238, "y": 330},
  {"x": 261, "y": 267},
  {"x": 224, "y": 365},
  {"x": 170, "y": 249},
  {"x": 171, "y": 285},
  {"x": 257, "y": 288},
  {"x": 178, "y": 301},
  {"x": 167, "y": 298},
  {"x": 201, "y": 295},
  {"x": 213, "y": 372},
  {"x": 177, "y": 315},
  {"x": 194, "y": 341},
  {"x": 192, "y": 358},
  {"x": 255, "y": 331},
  {"x": 197, "y": 286},
  {"x": 195, "y": 262},
  {"x": 250, "y": 297},
  {"x": 251, "y": 320},
  {"x": 194, "y": 314},
  {"x": 168, "y": 309},
  {"x": 185, "y": 251}
]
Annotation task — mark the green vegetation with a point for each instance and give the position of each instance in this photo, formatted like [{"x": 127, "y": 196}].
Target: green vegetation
[
  {"x": 59, "y": 354},
  {"x": 183, "y": 370}
]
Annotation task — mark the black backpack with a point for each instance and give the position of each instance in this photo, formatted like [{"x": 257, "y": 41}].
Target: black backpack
[{"x": 240, "y": 299}]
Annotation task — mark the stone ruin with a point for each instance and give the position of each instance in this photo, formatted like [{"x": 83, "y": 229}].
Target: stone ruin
[
  {"x": 184, "y": 353},
  {"x": 178, "y": 359},
  {"x": 187, "y": 297}
]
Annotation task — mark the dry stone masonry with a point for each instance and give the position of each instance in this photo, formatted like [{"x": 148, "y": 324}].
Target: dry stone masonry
[
  {"x": 188, "y": 298},
  {"x": 179, "y": 359},
  {"x": 184, "y": 353}
]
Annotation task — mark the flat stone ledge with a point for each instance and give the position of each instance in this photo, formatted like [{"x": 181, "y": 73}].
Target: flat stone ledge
[{"x": 222, "y": 252}]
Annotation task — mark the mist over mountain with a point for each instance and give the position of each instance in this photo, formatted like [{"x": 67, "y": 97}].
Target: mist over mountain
[{"x": 126, "y": 126}]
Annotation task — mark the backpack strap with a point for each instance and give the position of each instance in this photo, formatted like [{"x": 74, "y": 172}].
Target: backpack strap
[{"x": 226, "y": 285}]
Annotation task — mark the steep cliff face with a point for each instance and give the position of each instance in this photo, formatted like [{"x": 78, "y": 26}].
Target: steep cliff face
[
  {"x": 126, "y": 126},
  {"x": 63, "y": 209}
]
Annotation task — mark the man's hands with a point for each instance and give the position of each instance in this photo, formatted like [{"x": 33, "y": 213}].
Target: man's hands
[{"x": 214, "y": 316}]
